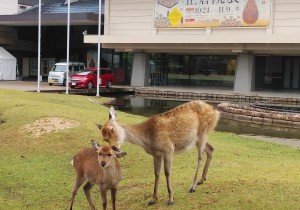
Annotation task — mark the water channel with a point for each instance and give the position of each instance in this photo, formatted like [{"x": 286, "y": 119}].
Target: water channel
[{"x": 151, "y": 106}]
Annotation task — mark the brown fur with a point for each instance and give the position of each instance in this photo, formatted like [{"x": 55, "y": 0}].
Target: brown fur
[
  {"x": 97, "y": 166},
  {"x": 176, "y": 130}
]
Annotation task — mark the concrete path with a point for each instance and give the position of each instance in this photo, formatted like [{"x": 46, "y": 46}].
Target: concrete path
[
  {"x": 28, "y": 85},
  {"x": 288, "y": 142},
  {"x": 32, "y": 86}
]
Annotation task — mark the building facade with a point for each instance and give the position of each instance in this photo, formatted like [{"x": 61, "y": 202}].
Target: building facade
[
  {"x": 244, "y": 44},
  {"x": 19, "y": 33}
]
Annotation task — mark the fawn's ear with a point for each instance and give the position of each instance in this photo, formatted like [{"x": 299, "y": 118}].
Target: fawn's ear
[
  {"x": 112, "y": 113},
  {"x": 120, "y": 154},
  {"x": 99, "y": 126},
  {"x": 95, "y": 145}
]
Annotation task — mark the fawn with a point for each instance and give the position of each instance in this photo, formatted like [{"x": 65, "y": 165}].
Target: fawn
[
  {"x": 178, "y": 129},
  {"x": 97, "y": 165}
]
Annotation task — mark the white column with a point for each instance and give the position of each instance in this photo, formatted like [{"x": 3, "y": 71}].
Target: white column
[
  {"x": 140, "y": 70},
  {"x": 245, "y": 74},
  {"x": 39, "y": 49}
]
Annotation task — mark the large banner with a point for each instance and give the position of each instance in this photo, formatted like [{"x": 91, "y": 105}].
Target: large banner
[{"x": 212, "y": 13}]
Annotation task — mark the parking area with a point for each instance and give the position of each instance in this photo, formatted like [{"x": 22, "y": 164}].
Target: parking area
[
  {"x": 29, "y": 85},
  {"x": 32, "y": 86}
]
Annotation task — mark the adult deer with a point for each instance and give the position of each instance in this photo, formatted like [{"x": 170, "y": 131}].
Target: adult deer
[
  {"x": 97, "y": 165},
  {"x": 178, "y": 129}
]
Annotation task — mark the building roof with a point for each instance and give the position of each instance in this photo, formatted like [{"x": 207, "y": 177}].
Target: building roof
[
  {"x": 28, "y": 2},
  {"x": 54, "y": 12},
  {"x": 59, "y": 7}
]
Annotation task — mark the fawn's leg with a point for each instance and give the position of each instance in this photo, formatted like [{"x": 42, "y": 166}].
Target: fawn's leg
[
  {"x": 113, "y": 197},
  {"x": 103, "y": 197},
  {"x": 87, "y": 187},
  {"x": 78, "y": 182}
]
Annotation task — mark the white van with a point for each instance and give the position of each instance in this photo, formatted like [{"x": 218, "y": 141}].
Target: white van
[{"x": 58, "y": 73}]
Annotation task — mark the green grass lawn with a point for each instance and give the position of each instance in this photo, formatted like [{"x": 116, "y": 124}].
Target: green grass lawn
[{"x": 35, "y": 172}]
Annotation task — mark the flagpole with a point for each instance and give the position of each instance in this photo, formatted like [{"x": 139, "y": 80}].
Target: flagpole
[
  {"x": 68, "y": 49},
  {"x": 99, "y": 36},
  {"x": 39, "y": 49}
]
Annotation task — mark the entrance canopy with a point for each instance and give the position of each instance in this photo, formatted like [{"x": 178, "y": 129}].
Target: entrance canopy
[{"x": 8, "y": 64}]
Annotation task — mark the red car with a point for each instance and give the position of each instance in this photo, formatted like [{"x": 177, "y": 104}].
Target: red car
[{"x": 87, "y": 78}]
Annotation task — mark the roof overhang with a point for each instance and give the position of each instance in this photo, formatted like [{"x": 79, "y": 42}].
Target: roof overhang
[
  {"x": 207, "y": 44},
  {"x": 49, "y": 19}
]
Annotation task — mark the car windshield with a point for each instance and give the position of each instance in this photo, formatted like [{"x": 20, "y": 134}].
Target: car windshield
[
  {"x": 59, "y": 68},
  {"x": 84, "y": 73}
]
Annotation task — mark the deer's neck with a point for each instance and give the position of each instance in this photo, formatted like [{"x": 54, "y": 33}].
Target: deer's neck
[
  {"x": 135, "y": 134},
  {"x": 112, "y": 173}
]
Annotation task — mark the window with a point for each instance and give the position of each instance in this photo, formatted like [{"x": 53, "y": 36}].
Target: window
[{"x": 76, "y": 68}]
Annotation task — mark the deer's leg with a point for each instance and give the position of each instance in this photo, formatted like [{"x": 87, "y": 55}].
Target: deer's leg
[
  {"x": 78, "y": 182},
  {"x": 103, "y": 197},
  {"x": 113, "y": 197},
  {"x": 209, "y": 149},
  {"x": 168, "y": 167},
  {"x": 87, "y": 187},
  {"x": 157, "y": 168},
  {"x": 200, "y": 147}
]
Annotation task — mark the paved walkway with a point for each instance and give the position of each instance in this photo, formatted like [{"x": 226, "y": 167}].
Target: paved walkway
[
  {"x": 278, "y": 140},
  {"x": 32, "y": 86},
  {"x": 28, "y": 85}
]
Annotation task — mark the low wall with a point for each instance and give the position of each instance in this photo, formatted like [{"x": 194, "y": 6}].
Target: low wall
[
  {"x": 259, "y": 116},
  {"x": 218, "y": 97},
  {"x": 234, "y": 111}
]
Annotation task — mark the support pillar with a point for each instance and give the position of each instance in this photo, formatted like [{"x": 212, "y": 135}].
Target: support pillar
[
  {"x": 245, "y": 74},
  {"x": 140, "y": 70}
]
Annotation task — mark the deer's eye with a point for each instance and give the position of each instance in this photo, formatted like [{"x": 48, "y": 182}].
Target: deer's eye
[{"x": 109, "y": 155}]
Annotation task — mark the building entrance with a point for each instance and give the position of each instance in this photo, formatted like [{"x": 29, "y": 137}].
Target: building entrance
[
  {"x": 291, "y": 71},
  {"x": 196, "y": 70},
  {"x": 277, "y": 72}
]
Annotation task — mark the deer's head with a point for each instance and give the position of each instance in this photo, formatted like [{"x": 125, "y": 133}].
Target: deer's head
[
  {"x": 112, "y": 132},
  {"x": 106, "y": 154}
]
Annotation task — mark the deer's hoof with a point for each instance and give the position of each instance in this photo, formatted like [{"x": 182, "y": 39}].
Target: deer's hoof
[
  {"x": 192, "y": 190},
  {"x": 169, "y": 203},
  {"x": 151, "y": 203},
  {"x": 200, "y": 182}
]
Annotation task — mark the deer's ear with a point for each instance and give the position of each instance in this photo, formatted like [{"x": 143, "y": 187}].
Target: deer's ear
[
  {"x": 112, "y": 114},
  {"x": 99, "y": 126},
  {"x": 95, "y": 145},
  {"x": 120, "y": 154}
]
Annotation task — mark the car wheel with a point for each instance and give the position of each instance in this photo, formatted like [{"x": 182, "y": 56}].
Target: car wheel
[
  {"x": 90, "y": 85},
  {"x": 109, "y": 84},
  {"x": 50, "y": 84}
]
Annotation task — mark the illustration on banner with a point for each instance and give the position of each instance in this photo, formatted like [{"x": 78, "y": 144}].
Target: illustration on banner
[{"x": 212, "y": 13}]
